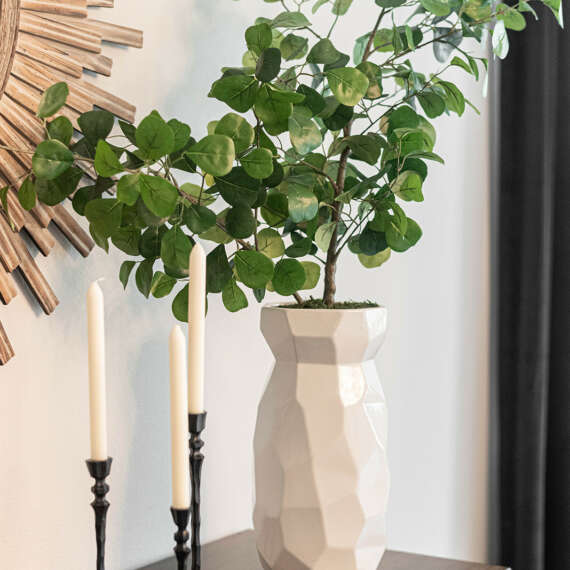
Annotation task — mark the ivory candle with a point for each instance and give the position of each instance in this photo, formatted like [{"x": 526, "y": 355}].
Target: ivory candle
[
  {"x": 196, "y": 329},
  {"x": 179, "y": 421},
  {"x": 97, "y": 389}
]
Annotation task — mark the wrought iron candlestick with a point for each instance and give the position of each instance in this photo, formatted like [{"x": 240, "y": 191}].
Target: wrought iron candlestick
[
  {"x": 181, "y": 536},
  {"x": 100, "y": 470},
  {"x": 196, "y": 424}
]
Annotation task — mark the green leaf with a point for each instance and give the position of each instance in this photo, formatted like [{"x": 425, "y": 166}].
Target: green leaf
[
  {"x": 390, "y": 3},
  {"x": 454, "y": 100},
  {"x": 258, "y": 37},
  {"x": 150, "y": 241},
  {"x": 371, "y": 261},
  {"x": 458, "y": 62},
  {"x": 238, "y": 129},
  {"x": 500, "y": 40},
  {"x": 106, "y": 162},
  {"x": 53, "y": 100},
  {"x": 51, "y": 159},
  {"x": 526, "y": 7},
  {"x": 438, "y": 7},
  {"x": 324, "y": 234},
  {"x": 349, "y": 85},
  {"x": 374, "y": 74},
  {"x": 401, "y": 241},
  {"x": 128, "y": 190},
  {"x": 233, "y": 297},
  {"x": 336, "y": 116},
  {"x": 276, "y": 210},
  {"x": 303, "y": 131},
  {"x": 129, "y": 131},
  {"x": 272, "y": 111},
  {"x": 299, "y": 248},
  {"x": 175, "y": 249},
  {"x": 154, "y": 137},
  {"x": 240, "y": 222},
  {"x": 237, "y": 91},
  {"x": 445, "y": 42},
  {"x": 27, "y": 194},
  {"x": 365, "y": 147},
  {"x": 253, "y": 268},
  {"x": 371, "y": 242},
  {"x": 432, "y": 104},
  {"x": 52, "y": 192},
  {"x": 181, "y": 132},
  {"x": 312, "y": 274},
  {"x": 158, "y": 195},
  {"x": 424, "y": 154},
  {"x": 198, "y": 193},
  {"x": 478, "y": 9},
  {"x": 302, "y": 202},
  {"x": 513, "y": 19},
  {"x": 294, "y": 47},
  {"x": 199, "y": 218},
  {"x": 340, "y": 7},
  {"x": 180, "y": 305},
  {"x": 313, "y": 101},
  {"x": 289, "y": 277},
  {"x": 214, "y": 154},
  {"x": 323, "y": 52},
  {"x": 556, "y": 8},
  {"x": 125, "y": 272},
  {"x": 258, "y": 163},
  {"x": 238, "y": 187},
  {"x": 104, "y": 215},
  {"x": 60, "y": 129},
  {"x": 143, "y": 276},
  {"x": 162, "y": 285},
  {"x": 96, "y": 125},
  {"x": 218, "y": 270},
  {"x": 270, "y": 243},
  {"x": 268, "y": 65},
  {"x": 408, "y": 186},
  {"x": 384, "y": 40},
  {"x": 127, "y": 239},
  {"x": 291, "y": 20}
]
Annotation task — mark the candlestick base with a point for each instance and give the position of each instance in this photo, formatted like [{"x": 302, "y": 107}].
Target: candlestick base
[
  {"x": 100, "y": 470},
  {"x": 196, "y": 425},
  {"x": 181, "y": 536}
]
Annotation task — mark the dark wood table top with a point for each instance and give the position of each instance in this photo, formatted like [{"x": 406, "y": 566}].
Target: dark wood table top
[{"x": 237, "y": 552}]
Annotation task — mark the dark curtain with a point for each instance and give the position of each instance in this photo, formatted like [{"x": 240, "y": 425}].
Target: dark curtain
[{"x": 531, "y": 296}]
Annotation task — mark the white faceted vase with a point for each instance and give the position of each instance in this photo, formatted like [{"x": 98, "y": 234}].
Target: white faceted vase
[{"x": 321, "y": 474}]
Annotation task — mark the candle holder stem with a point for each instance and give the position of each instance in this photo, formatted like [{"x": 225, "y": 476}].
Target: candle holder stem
[
  {"x": 196, "y": 424},
  {"x": 181, "y": 536},
  {"x": 100, "y": 470}
]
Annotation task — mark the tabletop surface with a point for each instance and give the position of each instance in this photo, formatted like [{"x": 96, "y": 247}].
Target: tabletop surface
[{"x": 237, "y": 552}]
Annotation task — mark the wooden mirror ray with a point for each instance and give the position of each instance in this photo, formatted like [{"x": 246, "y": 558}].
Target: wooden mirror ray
[{"x": 43, "y": 42}]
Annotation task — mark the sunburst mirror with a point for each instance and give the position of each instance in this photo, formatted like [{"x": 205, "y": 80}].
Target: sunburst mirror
[{"x": 43, "y": 42}]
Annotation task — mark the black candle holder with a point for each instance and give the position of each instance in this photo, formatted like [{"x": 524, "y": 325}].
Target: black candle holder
[
  {"x": 100, "y": 470},
  {"x": 181, "y": 536},
  {"x": 196, "y": 425}
]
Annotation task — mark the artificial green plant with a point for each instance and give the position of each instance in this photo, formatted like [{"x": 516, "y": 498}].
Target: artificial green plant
[{"x": 319, "y": 152}]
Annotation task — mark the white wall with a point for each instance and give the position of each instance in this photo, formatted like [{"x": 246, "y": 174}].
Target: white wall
[{"x": 433, "y": 364}]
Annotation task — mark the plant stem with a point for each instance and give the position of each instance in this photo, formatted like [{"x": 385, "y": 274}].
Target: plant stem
[{"x": 332, "y": 254}]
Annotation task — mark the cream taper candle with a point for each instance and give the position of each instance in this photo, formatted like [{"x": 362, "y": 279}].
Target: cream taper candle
[
  {"x": 196, "y": 329},
  {"x": 179, "y": 421},
  {"x": 97, "y": 389}
]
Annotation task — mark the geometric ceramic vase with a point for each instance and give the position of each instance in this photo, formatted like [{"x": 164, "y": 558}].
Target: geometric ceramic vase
[{"x": 321, "y": 473}]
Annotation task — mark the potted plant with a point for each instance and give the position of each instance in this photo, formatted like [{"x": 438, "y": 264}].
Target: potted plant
[{"x": 318, "y": 155}]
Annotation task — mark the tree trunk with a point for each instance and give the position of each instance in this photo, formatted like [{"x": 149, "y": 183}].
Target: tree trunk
[{"x": 330, "y": 266}]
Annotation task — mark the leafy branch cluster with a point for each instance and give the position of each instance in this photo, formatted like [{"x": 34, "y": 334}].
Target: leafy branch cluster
[{"x": 320, "y": 152}]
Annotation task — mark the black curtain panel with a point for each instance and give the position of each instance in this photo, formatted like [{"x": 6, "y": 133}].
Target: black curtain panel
[{"x": 531, "y": 301}]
